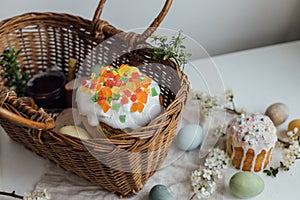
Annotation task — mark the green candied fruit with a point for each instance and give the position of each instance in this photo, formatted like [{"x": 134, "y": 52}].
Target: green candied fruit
[
  {"x": 153, "y": 92},
  {"x": 122, "y": 118}
]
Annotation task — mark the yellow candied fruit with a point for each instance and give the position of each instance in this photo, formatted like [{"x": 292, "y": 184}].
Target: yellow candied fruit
[
  {"x": 115, "y": 90},
  {"x": 147, "y": 90},
  {"x": 83, "y": 89},
  {"x": 124, "y": 68},
  {"x": 93, "y": 75},
  {"x": 115, "y": 73},
  {"x": 146, "y": 82}
]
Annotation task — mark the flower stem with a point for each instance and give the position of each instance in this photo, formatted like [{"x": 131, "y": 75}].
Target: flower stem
[
  {"x": 12, "y": 194},
  {"x": 193, "y": 196},
  {"x": 232, "y": 111},
  {"x": 287, "y": 144},
  {"x": 233, "y": 105}
]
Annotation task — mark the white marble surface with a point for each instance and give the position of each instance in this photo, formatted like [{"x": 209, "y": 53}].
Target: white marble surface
[{"x": 258, "y": 78}]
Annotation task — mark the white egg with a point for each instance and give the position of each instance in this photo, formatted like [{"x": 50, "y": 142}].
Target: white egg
[
  {"x": 189, "y": 137},
  {"x": 74, "y": 131}
]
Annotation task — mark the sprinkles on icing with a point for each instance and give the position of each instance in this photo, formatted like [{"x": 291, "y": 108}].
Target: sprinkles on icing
[
  {"x": 256, "y": 132},
  {"x": 253, "y": 130},
  {"x": 115, "y": 87}
]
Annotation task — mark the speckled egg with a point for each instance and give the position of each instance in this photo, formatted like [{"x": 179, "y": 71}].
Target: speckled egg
[
  {"x": 278, "y": 113},
  {"x": 160, "y": 192},
  {"x": 246, "y": 185},
  {"x": 294, "y": 124},
  {"x": 189, "y": 137}
]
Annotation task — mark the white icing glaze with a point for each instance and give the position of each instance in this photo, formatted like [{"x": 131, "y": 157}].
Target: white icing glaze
[
  {"x": 256, "y": 132},
  {"x": 94, "y": 113}
]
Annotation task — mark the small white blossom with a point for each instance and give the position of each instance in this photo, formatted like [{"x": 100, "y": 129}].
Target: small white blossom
[
  {"x": 38, "y": 195},
  {"x": 208, "y": 103},
  {"x": 291, "y": 154},
  {"x": 202, "y": 187},
  {"x": 242, "y": 110},
  {"x": 229, "y": 94},
  {"x": 219, "y": 131},
  {"x": 203, "y": 180},
  {"x": 207, "y": 174},
  {"x": 290, "y": 134}
]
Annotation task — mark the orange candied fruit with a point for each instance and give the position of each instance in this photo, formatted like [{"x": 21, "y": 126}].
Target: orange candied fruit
[
  {"x": 104, "y": 105},
  {"x": 138, "y": 106},
  {"x": 106, "y": 92},
  {"x": 146, "y": 82},
  {"x": 142, "y": 97}
]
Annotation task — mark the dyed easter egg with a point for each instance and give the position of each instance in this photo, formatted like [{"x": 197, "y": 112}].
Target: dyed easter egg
[
  {"x": 278, "y": 113},
  {"x": 294, "y": 124},
  {"x": 74, "y": 131},
  {"x": 189, "y": 137},
  {"x": 246, "y": 185},
  {"x": 160, "y": 192}
]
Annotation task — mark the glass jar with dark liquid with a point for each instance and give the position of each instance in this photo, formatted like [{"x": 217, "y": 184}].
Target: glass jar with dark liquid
[{"x": 47, "y": 90}]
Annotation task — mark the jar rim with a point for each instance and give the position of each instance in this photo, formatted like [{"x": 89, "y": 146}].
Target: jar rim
[{"x": 57, "y": 91}]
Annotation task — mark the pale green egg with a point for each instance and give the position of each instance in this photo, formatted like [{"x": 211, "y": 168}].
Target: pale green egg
[{"x": 246, "y": 185}]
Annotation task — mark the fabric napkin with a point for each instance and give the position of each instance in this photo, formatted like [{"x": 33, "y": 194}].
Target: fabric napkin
[{"x": 175, "y": 173}]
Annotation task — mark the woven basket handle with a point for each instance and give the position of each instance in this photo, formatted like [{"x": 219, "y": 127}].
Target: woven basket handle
[
  {"x": 15, "y": 105},
  {"x": 148, "y": 32},
  {"x": 23, "y": 121}
]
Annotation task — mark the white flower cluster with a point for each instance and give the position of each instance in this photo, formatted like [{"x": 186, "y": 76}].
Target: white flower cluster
[
  {"x": 293, "y": 152},
  {"x": 38, "y": 195},
  {"x": 203, "y": 179},
  {"x": 220, "y": 131},
  {"x": 229, "y": 95},
  {"x": 210, "y": 103}
]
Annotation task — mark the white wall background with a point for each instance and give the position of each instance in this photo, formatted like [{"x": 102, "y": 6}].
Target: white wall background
[{"x": 220, "y": 26}]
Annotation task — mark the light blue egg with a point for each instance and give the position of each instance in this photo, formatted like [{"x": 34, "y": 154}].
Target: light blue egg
[
  {"x": 189, "y": 137},
  {"x": 160, "y": 192}
]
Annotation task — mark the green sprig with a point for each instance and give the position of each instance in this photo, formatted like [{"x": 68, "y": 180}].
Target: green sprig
[
  {"x": 274, "y": 171},
  {"x": 173, "y": 49},
  {"x": 16, "y": 78}
]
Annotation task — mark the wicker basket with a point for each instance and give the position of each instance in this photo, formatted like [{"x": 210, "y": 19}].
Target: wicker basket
[{"x": 122, "y": 163}]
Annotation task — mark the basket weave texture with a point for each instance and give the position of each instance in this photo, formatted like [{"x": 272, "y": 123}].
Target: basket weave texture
[{"x": 120, "y": 163}]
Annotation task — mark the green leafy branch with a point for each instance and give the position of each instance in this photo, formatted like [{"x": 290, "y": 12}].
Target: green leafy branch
[
  {"x": 274, "y": 171},
  {"x": 290, "y": 154},
  {"x": 173, "y": 49},
  {"x": 16, "y": 79}
]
